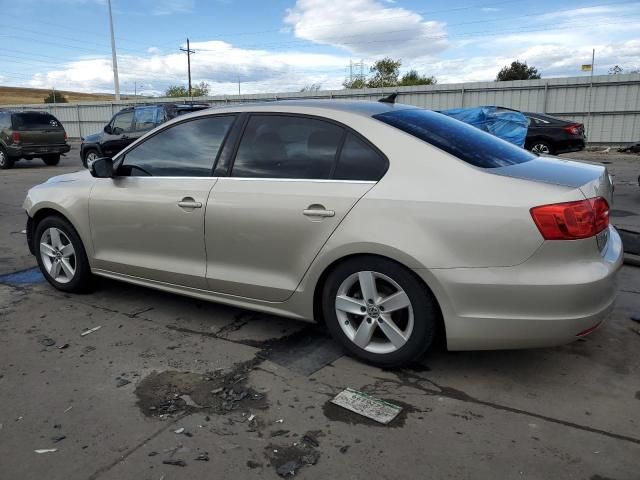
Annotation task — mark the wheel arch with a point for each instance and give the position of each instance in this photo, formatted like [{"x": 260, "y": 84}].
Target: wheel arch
[
  {"x": 440, "y": 337},
  {"x": 36, "y": 216}
]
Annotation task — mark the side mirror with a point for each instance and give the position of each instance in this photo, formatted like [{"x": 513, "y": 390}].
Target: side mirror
[
  {"x": 107, "y": 129},
  {"x": 101, "y": 167},
  {"x": 116, "y": 131}
]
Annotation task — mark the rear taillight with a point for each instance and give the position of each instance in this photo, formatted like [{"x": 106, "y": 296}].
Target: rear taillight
[
  {"x": 65, "y": 136},
  {"x": 572, "y": 220},
  {"x": 573, "y": 129},
  {"x": 15, "y": 137}
]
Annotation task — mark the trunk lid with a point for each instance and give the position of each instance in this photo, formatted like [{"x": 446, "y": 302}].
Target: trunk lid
[{"x": 592, "y": 180}]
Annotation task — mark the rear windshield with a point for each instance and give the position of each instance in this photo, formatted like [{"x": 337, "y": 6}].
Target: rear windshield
[
  {"x": 35, "y": 121},
  {"x": 457, "y": 138}
]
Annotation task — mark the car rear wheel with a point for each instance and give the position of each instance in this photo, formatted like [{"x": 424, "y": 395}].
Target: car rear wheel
[
  {"x": 89, "y": 156},
  {"x": 6, "y": 161},
  {"x": 61, "y": 255},
  {"x": 379, "y": 311},
  {"x": 542, "y": 148},
  {"x": 51, "y": 160}
]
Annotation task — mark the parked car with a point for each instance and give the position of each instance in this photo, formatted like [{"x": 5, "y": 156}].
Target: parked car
[
  {"x": 389, "y": 223},
  {"x": 31, "y": 134},
  {"x": 128, "y": 125},
  {"x": 550, "y": 135}
]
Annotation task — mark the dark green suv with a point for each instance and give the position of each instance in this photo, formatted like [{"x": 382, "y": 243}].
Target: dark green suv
[{"x": 31, "y": 134}]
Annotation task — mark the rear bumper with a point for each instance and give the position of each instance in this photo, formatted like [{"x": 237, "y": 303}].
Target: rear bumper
[
  {"x": 20, "y": 151},
  {"x": 545, "y": 301},
  {"x": 575, "y": 145}
]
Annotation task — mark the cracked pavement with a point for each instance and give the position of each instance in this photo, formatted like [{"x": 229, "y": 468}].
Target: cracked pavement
[{"x": 566, "y": 412}]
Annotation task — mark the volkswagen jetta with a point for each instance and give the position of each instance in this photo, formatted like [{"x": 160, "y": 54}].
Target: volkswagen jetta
[{"x": 389, "y": 223}]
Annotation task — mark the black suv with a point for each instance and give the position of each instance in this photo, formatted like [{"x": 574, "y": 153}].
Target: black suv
[
  {"x": 552, "y": 135},
  {"x": 29, "y": 135},
  {"x": 128, "y": 125}
]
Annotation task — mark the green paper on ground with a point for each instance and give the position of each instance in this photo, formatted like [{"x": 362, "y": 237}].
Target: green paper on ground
[{"x": 367, "y": 406}]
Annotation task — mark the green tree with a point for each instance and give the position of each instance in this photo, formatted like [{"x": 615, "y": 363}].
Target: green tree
[
  {"x": 312, "y": 87},
  {"x": 55, "y": 97},
  {"x": 385, "y": 73},
  {"x": 412, "y": 78},
  {"x": 199, "y": 90},
  {"x": 615, "y": 70},
  {"x": 517, "y": 71},
  {"x": 355, "y": 83}
]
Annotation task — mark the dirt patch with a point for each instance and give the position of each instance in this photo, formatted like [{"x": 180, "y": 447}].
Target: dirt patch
[{"x": 171, "y": 392}]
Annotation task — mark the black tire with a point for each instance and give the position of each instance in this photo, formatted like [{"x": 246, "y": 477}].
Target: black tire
[
  {"x": 83, "y": 280},
  {"x": 51, "y": 160},
  {"x": 424, "y": 305},
  {"x": 6, "y": 162},
  {"x": 86, "y": 153},
  {"x": 542, "y": 147}
]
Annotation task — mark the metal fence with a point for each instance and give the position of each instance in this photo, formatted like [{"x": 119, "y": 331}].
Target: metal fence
[{"x": 608, "y": 105}]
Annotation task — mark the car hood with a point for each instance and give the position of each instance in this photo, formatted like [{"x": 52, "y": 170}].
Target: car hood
[
  {"x": 70, "y": 177},
  {"x": 592, "y": 180},
  {"x": 93, "y": 138}
]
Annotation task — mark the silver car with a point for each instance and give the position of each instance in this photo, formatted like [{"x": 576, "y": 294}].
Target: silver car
[{"x": 391, "y": 224}]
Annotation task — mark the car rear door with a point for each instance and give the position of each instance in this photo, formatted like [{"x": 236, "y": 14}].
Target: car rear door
[
  {"x": 148, "y": 221},
  {"x": 269, "y": 218}
]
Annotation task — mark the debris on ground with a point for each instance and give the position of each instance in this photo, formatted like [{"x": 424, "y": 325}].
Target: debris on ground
[
  {"x": 633, "y": 148},
  {"x": 289, "y": 460},
  {"x": 152, "y": 454},
  {"x": 344, "y": 449},
  {"x": 203, "y": 457},
  {"x": 278, "y": 433},
  {"x": 177, "y": 463},
  {"x": 46, "y": 450},
  {"x": 58, "y": 438},
  {"x": 367, "y": 406},
  {"x": 68, "y": 408},
  {"x": 179, "y": 430},
  {"x": 63, "y": 346},
  {"x": 309, "y": 439},
  {"x": 121, "y": 382},
  {"x": 91, "y": 330}
]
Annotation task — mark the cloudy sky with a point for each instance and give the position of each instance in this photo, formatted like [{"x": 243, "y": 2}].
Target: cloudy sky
[{"x": 283, "y": 45}]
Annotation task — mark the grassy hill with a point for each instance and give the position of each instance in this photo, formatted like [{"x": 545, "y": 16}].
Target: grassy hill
[{"x": 19, "y": 95}]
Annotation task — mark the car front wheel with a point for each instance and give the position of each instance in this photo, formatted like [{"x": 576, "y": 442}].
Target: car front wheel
[
  {"x": 379, "y": 311},
  {"x": 61, "y": 255},
  {"x": 89, "y": 156}
]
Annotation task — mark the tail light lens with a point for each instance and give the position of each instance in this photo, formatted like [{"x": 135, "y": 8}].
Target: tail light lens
[
  {"x": 572, "y": 220},
  {"x": 573, "y": 129},
  {"x": 15, "y": 137}
]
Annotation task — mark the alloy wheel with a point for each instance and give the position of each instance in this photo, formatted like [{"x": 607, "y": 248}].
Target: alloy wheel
[
  {"x": 374, "y": 312},
  {"x": 541, "y": 148},
  {"x": 3, "y": 158},
  {"x": 58, "y": 255},
  {"x": 91, "y": 156}
]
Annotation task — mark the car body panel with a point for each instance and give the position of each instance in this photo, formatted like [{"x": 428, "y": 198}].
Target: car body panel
[
  {"x": 138, "y": 228},
  {"x": 259, "y": 242}
]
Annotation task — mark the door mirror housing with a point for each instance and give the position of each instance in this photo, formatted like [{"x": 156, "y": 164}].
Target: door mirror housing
[
  {"x": 101, "y": 167},
  {"x": 107, "y": 129}
]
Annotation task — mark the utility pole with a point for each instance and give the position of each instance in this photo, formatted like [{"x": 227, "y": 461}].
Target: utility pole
[
  {"x": 593, "y": 67},
  {"x": 54, "y": 95},
  {"x": 188, "y": 51},
  {"x": 116, "y": 83},
  {"x": 238, "y": 84}
]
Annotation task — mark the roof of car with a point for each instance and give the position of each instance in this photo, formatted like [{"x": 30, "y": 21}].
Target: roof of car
[{"x": 362, "y": 107}]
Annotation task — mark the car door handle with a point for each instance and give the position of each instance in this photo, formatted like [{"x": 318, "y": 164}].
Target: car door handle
[
  {"x": 318, "y": 211},
  {"x": 189, "y": 202}
]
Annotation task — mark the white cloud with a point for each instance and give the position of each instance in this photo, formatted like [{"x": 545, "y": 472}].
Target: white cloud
[
  {"x": 366, "y": 28},
  {"x": 216, "y": 62}
]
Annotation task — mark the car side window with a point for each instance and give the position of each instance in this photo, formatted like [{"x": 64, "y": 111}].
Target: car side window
[
  {"x": 122, "y": 121},
  {"x": 359, "y": 161},
  {"x": 145, "y": 118},
  {"x": 5, "y": 121},
  {"x": 283, "y": 146},
  {"x": 187, "y": 149}
]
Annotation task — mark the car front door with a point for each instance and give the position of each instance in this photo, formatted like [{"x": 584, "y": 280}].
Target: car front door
[
  {"x": 269, "y": 218},
  {"x": 148, "y": 221},
  {"x": 117, "y": 136}
]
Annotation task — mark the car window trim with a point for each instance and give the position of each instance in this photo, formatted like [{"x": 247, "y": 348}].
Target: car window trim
[
  {"x": 123, "y": 155},
  {"x": 346, "y": 130}
]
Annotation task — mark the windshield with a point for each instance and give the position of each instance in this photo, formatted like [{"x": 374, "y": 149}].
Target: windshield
[{"x": 461, "y": 140}]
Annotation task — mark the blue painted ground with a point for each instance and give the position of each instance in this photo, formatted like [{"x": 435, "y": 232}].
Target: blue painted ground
[{"x": 25, "y": 277}]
